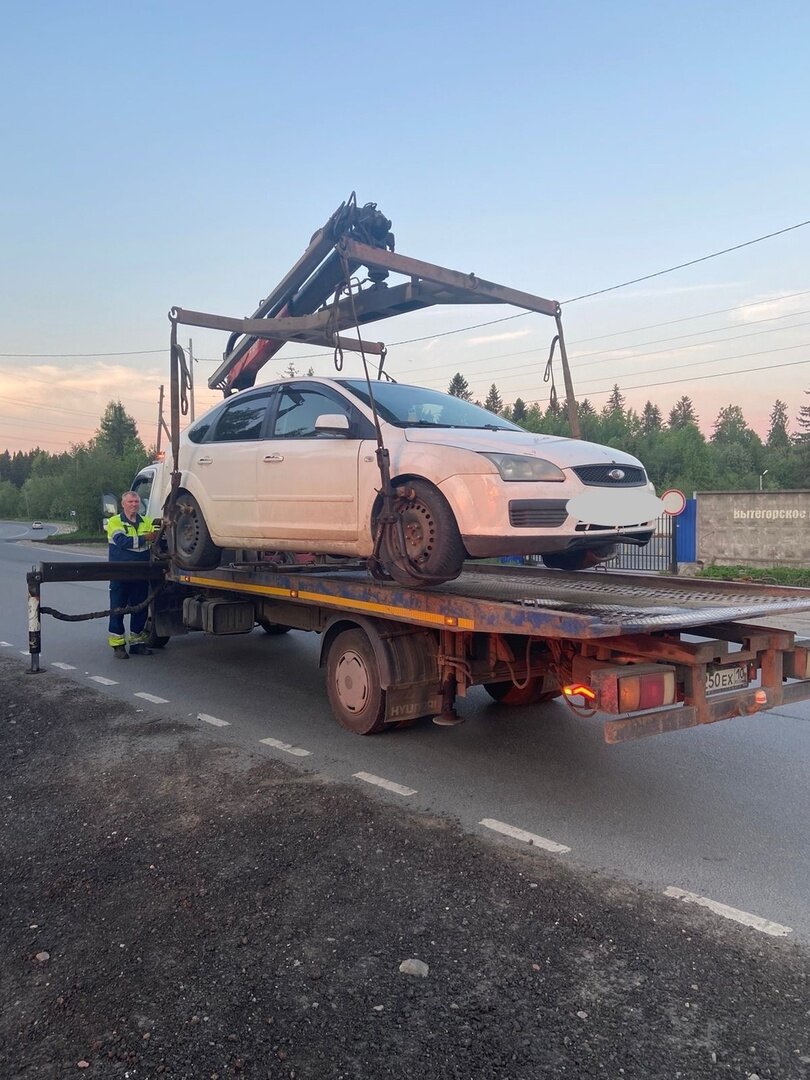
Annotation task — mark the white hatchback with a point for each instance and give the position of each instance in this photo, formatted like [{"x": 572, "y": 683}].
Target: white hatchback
[{"x": 293, "y": 466}]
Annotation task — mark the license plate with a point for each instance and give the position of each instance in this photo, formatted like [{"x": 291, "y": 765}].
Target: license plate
[{"x": 730, "y": 678}]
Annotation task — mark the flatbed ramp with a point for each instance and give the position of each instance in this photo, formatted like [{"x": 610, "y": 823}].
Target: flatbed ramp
[{"x": 517, "y": 600}]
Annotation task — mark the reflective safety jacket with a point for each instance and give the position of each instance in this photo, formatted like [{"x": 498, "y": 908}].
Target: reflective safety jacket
[{"x": 126, "y": 538}]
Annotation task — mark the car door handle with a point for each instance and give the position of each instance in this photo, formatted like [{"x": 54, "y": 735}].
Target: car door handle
[
  {"x": 205, "y": 461},
  {"x": 273, "y": 457}
]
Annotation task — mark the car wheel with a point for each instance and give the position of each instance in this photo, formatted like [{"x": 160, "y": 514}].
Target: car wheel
[
  {"x": 582, "y": 559},
  {"x": 193, "y": 547},
  {"x": 506, "y": 693},
  {"x": 273, "y": 627},
  {"x": 434, "y": 552},
  {"x": 353, "y": 684}
]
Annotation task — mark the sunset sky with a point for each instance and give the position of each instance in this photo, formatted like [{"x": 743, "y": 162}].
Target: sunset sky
[{"x": 183, "y": 154}]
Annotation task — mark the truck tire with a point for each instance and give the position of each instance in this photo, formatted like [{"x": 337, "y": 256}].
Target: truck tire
[
  {"x": 432, "y": 539},
  {"x": 506, "y": 693},
  {"x": 193, "y": 547},
  {"x": 353, "y": 684}
]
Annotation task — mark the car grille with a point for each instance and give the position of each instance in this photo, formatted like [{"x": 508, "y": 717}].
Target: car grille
[
  {"x": 537, "y": 513},
  {"x": 598, "y": 475}
]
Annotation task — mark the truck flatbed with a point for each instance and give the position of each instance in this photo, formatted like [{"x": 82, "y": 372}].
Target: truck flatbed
[{"x": 515, "y": 599}]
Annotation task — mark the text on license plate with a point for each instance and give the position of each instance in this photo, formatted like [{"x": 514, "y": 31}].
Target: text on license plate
[{"x": 731, "y": 678}]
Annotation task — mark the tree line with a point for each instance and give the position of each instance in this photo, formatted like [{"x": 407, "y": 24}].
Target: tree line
[
  {"x": 674, "y": 450},
  {"x": 68, "y": 485}
]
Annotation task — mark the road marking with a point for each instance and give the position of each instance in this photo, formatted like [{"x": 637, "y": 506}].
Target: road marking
[
  {"x": 526, "y": 837},
  {"x": 389, "y": 785},
  {"x": 6, "y": 644},
  {"x": 296, "y": 751},
  {"x": 775, "y": 929},
  {"x": 153, "y": 698},
  {"x": 25, "y": 652},
  {"x": 64, "y": 667},
  {"x": 213, "y": 720},
  {"x": 103, "y": 681}
]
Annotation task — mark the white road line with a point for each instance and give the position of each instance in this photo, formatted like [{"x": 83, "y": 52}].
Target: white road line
[
  {"x": 63, "y": 667},
  {"x": 521, "y": 834},
  {"x": 389, "y": 785},
  {"x": 153, "y": 698},
  {"x": 6, "y": 644},
  {"x": 103, "y": 681},
  {"x": 213, "y": 720},
  {"x": 296, "y": 751},
  {"x": 757, "y": 922},
  {"x": 24, "y": 652}
]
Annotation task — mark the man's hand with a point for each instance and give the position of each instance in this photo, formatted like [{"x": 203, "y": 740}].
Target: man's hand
[{"x": 150, "y": 536}]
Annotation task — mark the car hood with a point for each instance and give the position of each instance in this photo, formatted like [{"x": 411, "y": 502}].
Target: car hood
[{"x": 563, "y": 452}]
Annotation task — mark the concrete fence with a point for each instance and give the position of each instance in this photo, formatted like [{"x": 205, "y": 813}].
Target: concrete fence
[{"x": 753, "y": 528}]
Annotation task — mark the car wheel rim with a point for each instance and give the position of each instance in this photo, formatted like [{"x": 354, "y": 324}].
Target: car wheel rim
[
  {"x": 352, "y": 682},
  {"x": 419, "y": 530}
]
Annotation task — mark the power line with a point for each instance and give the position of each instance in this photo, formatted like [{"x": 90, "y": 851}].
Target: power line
[
  {"x": 700, "y": 378},
  {"x": 79, "y": 355}
]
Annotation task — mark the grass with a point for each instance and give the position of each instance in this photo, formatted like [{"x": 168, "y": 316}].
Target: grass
[
  {"x": 75, "y": 538},
  {"x": 766, "y": 575}
]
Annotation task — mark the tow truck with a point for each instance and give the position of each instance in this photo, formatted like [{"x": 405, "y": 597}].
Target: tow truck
[{"x": 649, "y": 654}]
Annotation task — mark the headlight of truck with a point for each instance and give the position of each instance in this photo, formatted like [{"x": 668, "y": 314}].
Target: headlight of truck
[{"x": 518, "y": 467}]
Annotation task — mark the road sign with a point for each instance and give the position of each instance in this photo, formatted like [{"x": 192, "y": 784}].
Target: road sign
[{"x": 674, "y": 502}]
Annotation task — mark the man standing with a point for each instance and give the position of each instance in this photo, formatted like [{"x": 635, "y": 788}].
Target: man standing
[{"x": 129, "y": 535}]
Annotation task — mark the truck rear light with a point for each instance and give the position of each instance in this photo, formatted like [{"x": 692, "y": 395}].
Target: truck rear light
[
  {"x": 579, "y": 690},
  {"x": 646, "y": 691}
]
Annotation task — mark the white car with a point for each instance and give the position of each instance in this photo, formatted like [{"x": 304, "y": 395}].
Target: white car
[
  {"x": 292, "y": 466},
  {"x": 36, "y": 525}
]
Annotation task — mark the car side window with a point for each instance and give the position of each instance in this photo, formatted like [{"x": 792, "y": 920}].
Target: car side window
[
  {"x": 241, "y": 421},
  {"x": 298, "y": 409}
]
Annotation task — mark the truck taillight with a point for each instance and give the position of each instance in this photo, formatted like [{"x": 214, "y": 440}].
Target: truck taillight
[{"x": 646, "y": 691}]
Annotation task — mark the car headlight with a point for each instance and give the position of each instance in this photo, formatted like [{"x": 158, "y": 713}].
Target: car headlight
[{"x": 518, "y": 467}]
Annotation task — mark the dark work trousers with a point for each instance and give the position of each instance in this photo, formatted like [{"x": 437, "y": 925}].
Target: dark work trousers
[{"x": 127, "y": 594}]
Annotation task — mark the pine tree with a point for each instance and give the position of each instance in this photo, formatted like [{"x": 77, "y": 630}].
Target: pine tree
[
  {"x": 615, "y": 403},
  {"x": 803, "y": 420},
  {"x": 459, "y": 387},
  {"x": 493, "y": 402},
  {"x": 117, "y": 431},
  {"x": 682, "y": 413},
  {"x": 519, "y": 411},
  {"x": 585, "y": 408},
  {"x": 651, "y": 419},
  {"x": 778, "y": 434}
]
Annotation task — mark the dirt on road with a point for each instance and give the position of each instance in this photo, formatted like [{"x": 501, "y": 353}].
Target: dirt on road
[{"x": 175, "y": 907}]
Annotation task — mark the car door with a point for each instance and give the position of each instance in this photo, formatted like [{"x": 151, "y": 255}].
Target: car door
[
  {"x": 225, "y": 467},
  {"x": 307, "y": 479}
]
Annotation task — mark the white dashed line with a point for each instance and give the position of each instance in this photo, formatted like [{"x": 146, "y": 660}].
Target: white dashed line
[
  {"x": 6, "y": 645},
  {"x": 526, "y": 837},
  {"x": 103, "y": 681},
  {"x": 25, "y": 652},
  {"x": 755, "y": 921},
  {"x": 389, "y": 785},
  {"x": 296, "y": 751},
  {"x": 213, "y": 720},
  {"x": 63, "y": 667},
  {"x": 153, "y": 698}
]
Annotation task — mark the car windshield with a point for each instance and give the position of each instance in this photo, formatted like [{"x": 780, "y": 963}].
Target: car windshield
[{"x": 414, "y": 406}]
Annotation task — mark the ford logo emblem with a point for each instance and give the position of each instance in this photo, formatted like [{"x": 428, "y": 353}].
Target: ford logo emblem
[{"x": 616, "y": 474}]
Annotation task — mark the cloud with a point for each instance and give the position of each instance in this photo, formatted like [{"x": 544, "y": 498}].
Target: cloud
[
  {"x": 773, "y": 307},
  {"x": 506, "y": 335}
]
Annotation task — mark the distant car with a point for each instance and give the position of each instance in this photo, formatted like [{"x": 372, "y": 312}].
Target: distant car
[
  {"x": 36, "y": 524},
  {"x": 292, "y": 466}
]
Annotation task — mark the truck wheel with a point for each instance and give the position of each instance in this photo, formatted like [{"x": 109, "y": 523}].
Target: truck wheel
[
  {"x": 353, "y": 684},
  {"x": 506, "y": 693},
  {"x": 193, "y": 546},
  {"x": 432, "y": 539},
  {"x": 273, "y": 627}
]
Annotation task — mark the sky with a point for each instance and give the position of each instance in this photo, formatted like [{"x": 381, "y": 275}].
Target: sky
[{"x": 161, "y": 154}]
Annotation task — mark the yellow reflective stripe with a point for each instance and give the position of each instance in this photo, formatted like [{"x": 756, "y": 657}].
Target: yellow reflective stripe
[{"x": 430, "y": 618}]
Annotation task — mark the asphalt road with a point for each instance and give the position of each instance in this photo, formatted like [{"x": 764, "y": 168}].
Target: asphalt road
[{"x": 720, "y": 812}]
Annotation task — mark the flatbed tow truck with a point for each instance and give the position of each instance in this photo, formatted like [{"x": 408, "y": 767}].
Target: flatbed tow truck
[{"x": 653, "y": 654}]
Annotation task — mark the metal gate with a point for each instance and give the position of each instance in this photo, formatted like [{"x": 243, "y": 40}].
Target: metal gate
[{"x": 657, "y": 556}]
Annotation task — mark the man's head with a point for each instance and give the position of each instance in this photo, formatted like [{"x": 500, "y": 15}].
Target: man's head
[{"x": 130, "y": 503}]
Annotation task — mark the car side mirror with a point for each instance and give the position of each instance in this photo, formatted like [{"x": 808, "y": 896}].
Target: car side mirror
[
  {"x": 109, "y": 505},
  {"x": 333, "y": 423}
]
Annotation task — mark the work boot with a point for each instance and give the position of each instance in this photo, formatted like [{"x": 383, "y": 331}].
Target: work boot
[
  {"x": 139, "y": 650},
  {"x": 120, "y": 652}
]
